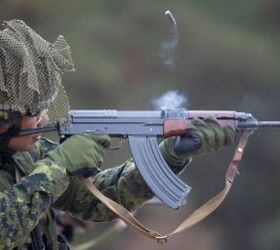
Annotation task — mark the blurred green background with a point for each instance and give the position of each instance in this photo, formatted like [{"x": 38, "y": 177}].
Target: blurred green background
[{"x": 227, "y": 58}]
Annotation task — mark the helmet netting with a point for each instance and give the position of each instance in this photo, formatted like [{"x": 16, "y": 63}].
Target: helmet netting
[{"x": 31, "y": 71}]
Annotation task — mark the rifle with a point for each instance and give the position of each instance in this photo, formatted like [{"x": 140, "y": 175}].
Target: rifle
[{"x": 142, "y": 128}]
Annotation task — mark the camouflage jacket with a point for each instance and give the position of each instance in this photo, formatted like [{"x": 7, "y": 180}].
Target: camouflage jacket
[{"x": 23, "y": 203}]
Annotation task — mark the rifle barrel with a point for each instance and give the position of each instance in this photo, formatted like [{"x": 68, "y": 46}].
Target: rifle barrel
[
  {"x": 268, "y": 124},
  {"x": 254, "y": 124}
]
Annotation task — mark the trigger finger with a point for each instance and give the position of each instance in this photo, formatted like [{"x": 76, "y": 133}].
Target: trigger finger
[{"x": 104, "y": 140}]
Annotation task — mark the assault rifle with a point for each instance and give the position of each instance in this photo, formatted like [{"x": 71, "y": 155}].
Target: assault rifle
[{"x": 142, "y": 128}]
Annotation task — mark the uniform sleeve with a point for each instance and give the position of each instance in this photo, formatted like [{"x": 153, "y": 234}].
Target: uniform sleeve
[
  {"x": 24, "y": 161},
  {"x": 22, "y": 204},
  {"x": 123, "y": 184},
  {"x": 42, "y": 147}
]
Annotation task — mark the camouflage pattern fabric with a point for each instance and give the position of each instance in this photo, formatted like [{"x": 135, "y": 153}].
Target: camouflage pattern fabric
[{"x": 23, "y": 204}]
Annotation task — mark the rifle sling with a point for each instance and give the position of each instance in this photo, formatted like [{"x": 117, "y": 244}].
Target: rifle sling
[{"x": 198, "y": 215}]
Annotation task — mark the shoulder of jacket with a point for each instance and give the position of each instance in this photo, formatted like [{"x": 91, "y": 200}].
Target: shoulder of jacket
[{"x": 48, "y": 144}]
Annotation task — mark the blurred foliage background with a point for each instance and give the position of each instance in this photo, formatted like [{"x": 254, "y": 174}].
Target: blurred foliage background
[{"x": 227, "y": 58}]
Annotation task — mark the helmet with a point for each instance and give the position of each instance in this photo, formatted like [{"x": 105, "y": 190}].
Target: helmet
[{"x": 31, "y": 72}]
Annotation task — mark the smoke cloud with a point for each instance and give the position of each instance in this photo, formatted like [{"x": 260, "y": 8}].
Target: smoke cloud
[
  {"x": 172, "y": 99},
  {"x": 168, "y": 47},
  {"x": 167, "y": 52}
]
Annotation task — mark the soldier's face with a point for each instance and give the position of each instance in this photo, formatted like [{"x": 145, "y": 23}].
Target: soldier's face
[{"x": 26, "y": 143}]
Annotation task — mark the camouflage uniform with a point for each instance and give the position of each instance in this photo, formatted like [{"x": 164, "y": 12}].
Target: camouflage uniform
[{"x": 23, "y": 203}]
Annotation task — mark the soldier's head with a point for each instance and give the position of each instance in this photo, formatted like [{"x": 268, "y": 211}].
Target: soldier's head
[{"x": 31, "y": 87}]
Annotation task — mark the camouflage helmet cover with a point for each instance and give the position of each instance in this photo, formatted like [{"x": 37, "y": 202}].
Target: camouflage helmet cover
[{"x": 31, "y": 71}]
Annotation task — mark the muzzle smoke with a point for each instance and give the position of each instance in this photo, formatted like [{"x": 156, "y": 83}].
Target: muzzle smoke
[{"x": 171, "y": 100}]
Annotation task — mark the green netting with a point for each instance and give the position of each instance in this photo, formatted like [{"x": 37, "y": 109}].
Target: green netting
[{"x": 31, "y": 71}]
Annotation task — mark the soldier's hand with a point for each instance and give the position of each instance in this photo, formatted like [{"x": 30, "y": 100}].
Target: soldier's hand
[
  {"x": 203, "y": 136},
  {"x": 81, "y": 154}
]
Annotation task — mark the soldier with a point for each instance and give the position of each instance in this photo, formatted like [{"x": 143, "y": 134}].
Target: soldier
[{"x": 36, "y": 174}]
